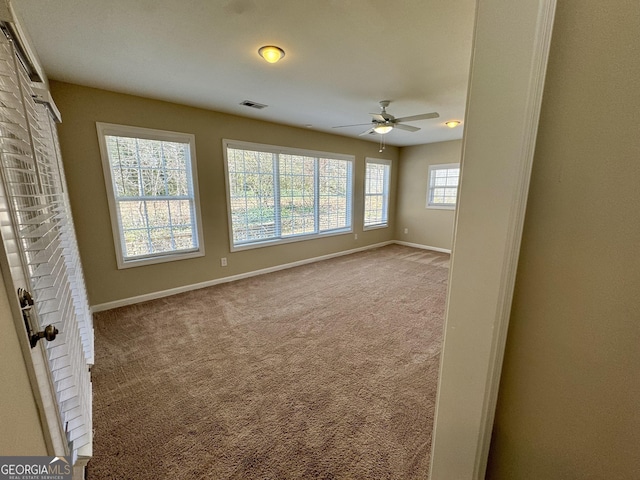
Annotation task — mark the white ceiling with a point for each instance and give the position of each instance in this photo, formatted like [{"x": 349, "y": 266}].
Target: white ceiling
[{"x": 342, "y": 56}]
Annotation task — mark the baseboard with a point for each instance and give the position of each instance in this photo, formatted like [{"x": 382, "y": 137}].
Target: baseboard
[
  {"x": 423, "y": 247},
  {"x": 209, "y": 283}
]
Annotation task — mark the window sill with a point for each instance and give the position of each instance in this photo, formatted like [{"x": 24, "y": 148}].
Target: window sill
[
  {"x": 444, "y": 207},
  {"x": 375, "y": 227},
  {"x": 169, "y": 257},
  {"x": 282, "y": 241}
]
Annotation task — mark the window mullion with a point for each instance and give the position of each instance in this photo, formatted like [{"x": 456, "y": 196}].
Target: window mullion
[
  {"x": 120, "y": 169},
  {"x": 276, "y": 193},
  {"x": 349, "y": 194},
  {"x": 245, "y": 190},
  {"x": 140, "y": 185},
  {"x": 316, "y": 195},
  {"x": 144, "y": 202},
  {"x": 191, "y": 196},
  {"x": 385, "y": 194},
  {"x": 166, "y": 191}
]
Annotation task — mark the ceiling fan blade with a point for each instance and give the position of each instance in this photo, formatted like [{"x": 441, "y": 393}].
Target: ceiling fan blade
[
  {"x": 378, "y": 117},
  {"x": 354, "y": 125},
  {"x": 366, "y": 132},
  {"x": 408, "y": 128},
  {"x": 413, "y": 118}
]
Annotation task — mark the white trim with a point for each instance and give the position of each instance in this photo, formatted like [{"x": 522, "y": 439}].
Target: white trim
[
  {"x": 375, "y": 227},
  {"x": 84, "y": 455},
  {"x": 380, "y": 161},
  {"x": 511, "y": 45},
  {"x": 531, "y": 115},
  {"x": 23, "y": 42},
  {"x": 292, "y": 239},
  {"x": 105, "y": 129},
  {"x": 423, "y": 247},
  {"x": 263, "y": 147},
  {"x": 209, "y": 283},
  {"x": 441, "y": 207},
  {"x": 43, "y": 96}
]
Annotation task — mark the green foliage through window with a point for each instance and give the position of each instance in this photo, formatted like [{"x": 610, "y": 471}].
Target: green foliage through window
[{"x": 279, "y": 195}]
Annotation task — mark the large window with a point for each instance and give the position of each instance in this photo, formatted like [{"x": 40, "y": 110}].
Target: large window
[
  {"x": 376, "y": 193},
  {"x": 153, "y": 196},
  {"x": 443, "y": 186},
  {"x": 278, "y": 194}
]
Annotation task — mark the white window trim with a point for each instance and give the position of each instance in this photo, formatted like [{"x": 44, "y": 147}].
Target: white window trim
[
  {"x": 226, "y": 143},
  {"x": 441, "y": 166},
  {"x": 386, "y": 194},
  {"x": 105, "y": 129}
]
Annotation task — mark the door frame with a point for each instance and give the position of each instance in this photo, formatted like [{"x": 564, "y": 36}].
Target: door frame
[
  {"x": 509, "y": 58},
  {"x": 511, "y": 44}
]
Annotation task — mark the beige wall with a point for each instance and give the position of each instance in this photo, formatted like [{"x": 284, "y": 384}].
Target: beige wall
[
  {"x": 427, "y": 226},
  {"x": 82, "y": 107},
  {"x": 20, "y": 429},
  {"x": 570, "y": 389}
]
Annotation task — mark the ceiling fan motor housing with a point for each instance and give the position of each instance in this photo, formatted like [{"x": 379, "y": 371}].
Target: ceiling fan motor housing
[{"x": 384, "y": 119}]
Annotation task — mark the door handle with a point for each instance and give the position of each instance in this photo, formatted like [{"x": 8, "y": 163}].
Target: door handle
[
  {"x": 26, "y": 302},
  {"x": 49, "y": 333}
]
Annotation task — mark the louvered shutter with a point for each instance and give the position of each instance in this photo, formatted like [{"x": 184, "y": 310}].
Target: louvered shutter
[{"x": 35, "y": 187}]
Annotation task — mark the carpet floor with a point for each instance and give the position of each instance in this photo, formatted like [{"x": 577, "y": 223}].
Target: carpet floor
[{"x": 324, "y": 371}]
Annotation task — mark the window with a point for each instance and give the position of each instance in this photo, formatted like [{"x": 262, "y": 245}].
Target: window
[
  {"x": 376, "y": 193},
  {"x": 278, "y": 194},
  {"x": 153, "y": 195},
  {"x": 443, "y": 186}
]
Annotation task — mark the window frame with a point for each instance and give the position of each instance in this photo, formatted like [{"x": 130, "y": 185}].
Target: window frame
[
  {"x": 275, "y": 149},
  {"x": 386, "y": 193},
  {"x": 430, "y": 186},
  {"x": 110, "y": 129}
]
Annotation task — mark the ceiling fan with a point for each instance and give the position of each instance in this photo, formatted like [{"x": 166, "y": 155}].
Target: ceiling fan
[{"x": 384, "y": 122}]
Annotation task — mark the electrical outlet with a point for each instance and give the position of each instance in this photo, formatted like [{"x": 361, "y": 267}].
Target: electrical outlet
[
  {"x": 223, "y": 262},
  {"x": 356, "y": 236},
  {"x": 406, "y": 230}
]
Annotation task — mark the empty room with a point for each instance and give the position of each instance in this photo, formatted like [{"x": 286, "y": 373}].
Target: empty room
[{"x": 251, "y": 239}]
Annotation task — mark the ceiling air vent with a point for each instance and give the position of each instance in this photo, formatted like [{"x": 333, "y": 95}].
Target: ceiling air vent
[{"x": 249, "y": 103}]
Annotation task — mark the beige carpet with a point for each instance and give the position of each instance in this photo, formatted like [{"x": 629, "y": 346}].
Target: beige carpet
[{"x": 325, "y": 371}]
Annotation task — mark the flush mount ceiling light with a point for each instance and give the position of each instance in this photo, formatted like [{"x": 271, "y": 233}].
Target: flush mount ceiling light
[
  {"x": 382, "y": 129},
  {"x": 452, "y": 123},
  {"x": 271, "y": 53}
]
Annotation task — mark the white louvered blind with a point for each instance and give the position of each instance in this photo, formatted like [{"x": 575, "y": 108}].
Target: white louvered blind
[{"x": 35, "y": 187}]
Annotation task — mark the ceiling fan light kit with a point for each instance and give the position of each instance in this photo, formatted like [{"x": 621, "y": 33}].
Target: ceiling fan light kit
[
  {"x": 452, "y": 123},
  {"x": 382, "y": 128},
  {"x": 383, "y": 122}
]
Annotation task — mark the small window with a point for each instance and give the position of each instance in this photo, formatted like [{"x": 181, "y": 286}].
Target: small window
[
  {"x": 443, "y": 186},
  {"x": 376, "y": 193},
  {"x": 152, "y": 192}
]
